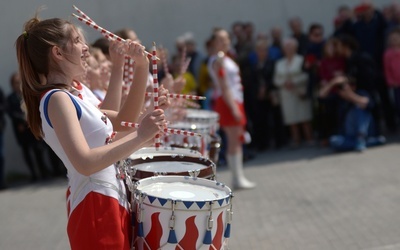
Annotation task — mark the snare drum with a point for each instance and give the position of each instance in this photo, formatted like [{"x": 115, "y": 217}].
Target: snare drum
[
  {"x": 192, "y": 142},
  {"x": 202, "y": 116},
  {"x": 173, "y": 164},
  {"x": 177, "y": 212}
]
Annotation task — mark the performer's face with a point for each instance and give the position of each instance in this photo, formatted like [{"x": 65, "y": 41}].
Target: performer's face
[{"x": 223, "y": 41}]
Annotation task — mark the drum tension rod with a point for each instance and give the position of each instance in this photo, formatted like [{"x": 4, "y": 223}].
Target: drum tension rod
[{"x": 172, "y": 219}]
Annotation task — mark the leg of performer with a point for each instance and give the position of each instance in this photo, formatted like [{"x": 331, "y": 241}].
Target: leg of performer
[{"x": 235, "y": 158}]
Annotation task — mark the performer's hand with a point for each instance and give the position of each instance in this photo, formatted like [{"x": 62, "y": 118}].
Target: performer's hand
[
  {"x": 137, "y": 52},
  {"x": 163, "y": 100},
  {"x": 117, "y": 52},
  {"x": 151, "y": 124}
]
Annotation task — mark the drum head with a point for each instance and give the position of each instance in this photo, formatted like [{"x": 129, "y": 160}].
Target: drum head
[
  {"x": 183, "y": 188},
  {"x": 141, "y": 168},
  {"x": 150, "y": 152},
  {"x": 169, "y": 166}
]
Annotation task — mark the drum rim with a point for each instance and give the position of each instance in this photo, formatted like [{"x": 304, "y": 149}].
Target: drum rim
[
  {"x": 205, "y": 111},
  {"x": 209, "y": 171},
  {"x": 204, "y": 127},
  {"x": 187, "y": 179},
  {"x": 171, "y": 149}
]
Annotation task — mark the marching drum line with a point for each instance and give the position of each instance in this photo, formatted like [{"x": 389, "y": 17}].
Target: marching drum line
[{"x": 176, "y": 202}]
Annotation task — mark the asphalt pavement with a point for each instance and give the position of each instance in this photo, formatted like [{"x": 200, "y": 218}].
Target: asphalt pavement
[{"x": 305, "y": 199}]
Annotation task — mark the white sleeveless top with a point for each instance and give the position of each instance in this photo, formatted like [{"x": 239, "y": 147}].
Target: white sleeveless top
[
  {"x": 97, "y": 129},
  {"x": 232, "y": 75}
]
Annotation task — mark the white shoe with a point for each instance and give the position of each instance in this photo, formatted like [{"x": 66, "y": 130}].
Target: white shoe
[
  {"x": 235, "y": 163},
  {"x": 243, "y": 183}
]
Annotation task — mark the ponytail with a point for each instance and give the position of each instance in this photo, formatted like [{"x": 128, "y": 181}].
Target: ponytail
[{"x": 33, "y": 48}]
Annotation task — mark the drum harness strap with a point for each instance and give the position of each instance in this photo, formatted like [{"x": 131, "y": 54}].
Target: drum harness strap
[{"x": 102, "y": 183}]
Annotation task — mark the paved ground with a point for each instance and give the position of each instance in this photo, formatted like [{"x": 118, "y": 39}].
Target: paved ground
[{"x": 306, "y": 199}]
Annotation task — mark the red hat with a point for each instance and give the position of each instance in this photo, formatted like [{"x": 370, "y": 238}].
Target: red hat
[{"x": 359, "y": 9}]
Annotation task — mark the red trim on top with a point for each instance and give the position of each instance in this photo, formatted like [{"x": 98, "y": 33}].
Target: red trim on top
[{"x": 78, "y": 85}]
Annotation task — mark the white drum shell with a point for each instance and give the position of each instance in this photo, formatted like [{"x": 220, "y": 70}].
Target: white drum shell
[{"x": 190, "y": 216}]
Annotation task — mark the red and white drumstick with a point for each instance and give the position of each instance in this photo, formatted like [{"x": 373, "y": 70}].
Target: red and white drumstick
[
  {"x": 130, "y": 71},
  {"x": 157, "y": 140},
  {"x": 104, "y": 32},
  {"x": 180, "y": 132},
  {"x": 166, "y": 130},
  {"x": 126, "y": 70},
  {"x": 155, "y": 77},
  {"x": 180, "y": 96},
  {"x": 128, "y": 67},
  {"x": 82, "y": 14},
  {"x": 130, "y": 124}
]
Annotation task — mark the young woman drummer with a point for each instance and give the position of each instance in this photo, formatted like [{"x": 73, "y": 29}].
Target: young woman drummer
[{"x": 50, "y": 54}]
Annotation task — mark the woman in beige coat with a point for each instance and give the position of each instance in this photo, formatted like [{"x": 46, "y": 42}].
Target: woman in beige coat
[{"x": 292, "y": 84}]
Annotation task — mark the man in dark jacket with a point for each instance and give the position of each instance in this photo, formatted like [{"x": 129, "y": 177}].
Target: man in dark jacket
[{"x": 23, "y": 134}]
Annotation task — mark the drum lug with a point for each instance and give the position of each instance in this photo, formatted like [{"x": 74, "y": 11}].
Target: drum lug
[
  {"x": 210, "y": 223},
  {"x": 172, "y": 219},
  {"x": 140, "y": 209},
  {"x": 194, "y": 173},
  {"x": 172, "y": 222},
  {"x": 229, "y": 215},
  {"x": 160, "y": 173}
]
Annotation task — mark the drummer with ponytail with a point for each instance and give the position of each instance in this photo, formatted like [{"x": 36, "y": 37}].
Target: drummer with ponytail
[{"x": 51, "y": 53}]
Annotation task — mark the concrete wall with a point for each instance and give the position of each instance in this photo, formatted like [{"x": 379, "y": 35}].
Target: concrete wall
[{"x": 154, "y": 20}]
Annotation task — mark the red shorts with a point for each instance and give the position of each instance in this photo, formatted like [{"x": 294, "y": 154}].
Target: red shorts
[
  {"x": 99, "y": 222},
  {"x": 226, "y": 117}
]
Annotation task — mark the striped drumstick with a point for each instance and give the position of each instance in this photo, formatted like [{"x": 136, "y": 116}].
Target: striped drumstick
[
  {"x": 157, "y": 140},
  {"x": 180, "y": 96},
  {"x": 165, "y": 130},
  {"x": 82, "y": 13},
  {"x": 104, "y": 32}
]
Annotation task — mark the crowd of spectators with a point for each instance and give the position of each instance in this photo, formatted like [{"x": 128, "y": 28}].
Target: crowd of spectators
[{"x": 309, "y": 88}]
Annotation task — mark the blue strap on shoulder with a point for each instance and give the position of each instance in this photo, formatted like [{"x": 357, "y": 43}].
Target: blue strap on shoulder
[{"x": 46, "y": 104}]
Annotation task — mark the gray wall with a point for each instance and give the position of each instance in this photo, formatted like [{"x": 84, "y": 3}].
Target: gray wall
[{"x": 154, "y": 20}]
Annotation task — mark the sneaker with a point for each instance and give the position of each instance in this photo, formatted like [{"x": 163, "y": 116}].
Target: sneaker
[
  {"x": 376, "y": 141},
  {"x": 361, "y": 145}
]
